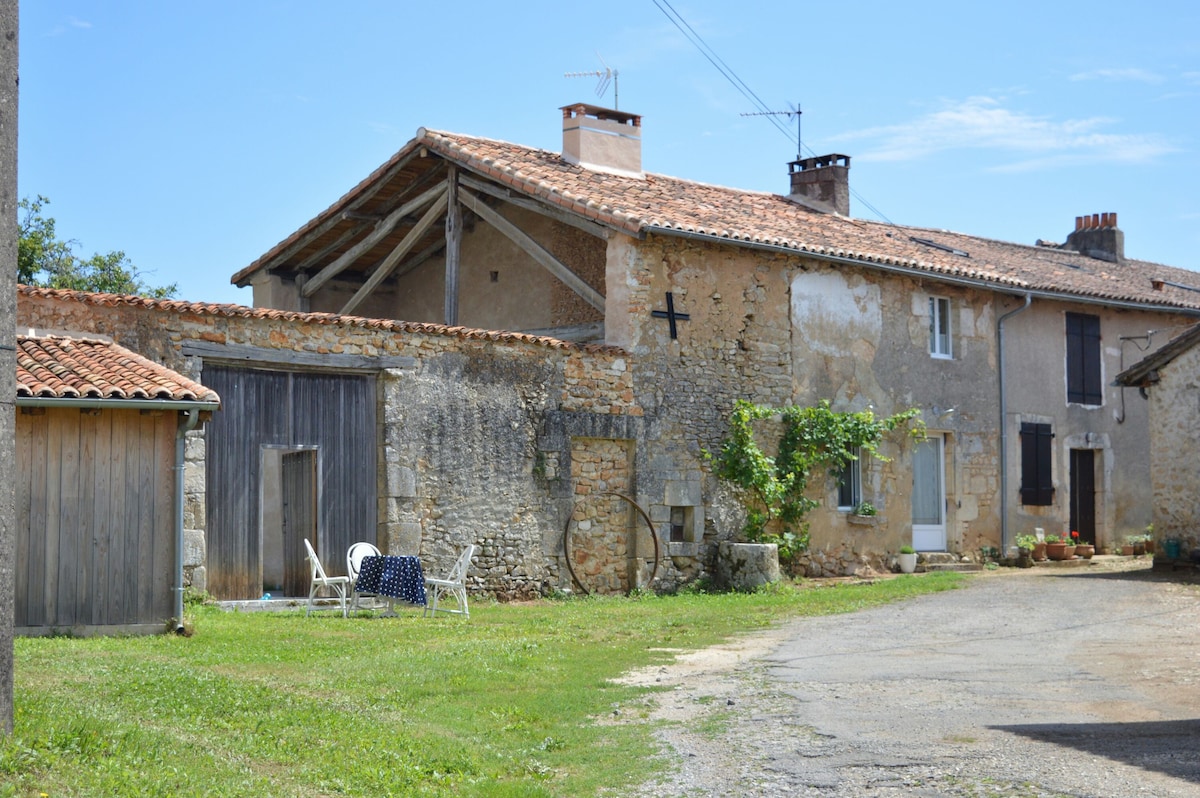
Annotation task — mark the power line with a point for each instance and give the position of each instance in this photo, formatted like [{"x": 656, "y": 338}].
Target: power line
[{"x": 727, "y": 72}]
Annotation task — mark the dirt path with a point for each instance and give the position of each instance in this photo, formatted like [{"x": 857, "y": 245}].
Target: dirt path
[{"x": 1026, "y": 683}]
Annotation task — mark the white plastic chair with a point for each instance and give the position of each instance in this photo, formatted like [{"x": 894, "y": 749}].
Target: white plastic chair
[
  {"x": 354, "y": 558},
  {"x": 337, "y": 584},
  {"x": 455, "y": 584}
]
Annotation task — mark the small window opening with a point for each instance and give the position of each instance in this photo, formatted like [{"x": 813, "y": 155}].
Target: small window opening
[
  {"x": 678, "y": 524},
  {"x": 850, "y": 486},
  {"x": 939, "y": 327},
  {"x": 495, "y": 276}
]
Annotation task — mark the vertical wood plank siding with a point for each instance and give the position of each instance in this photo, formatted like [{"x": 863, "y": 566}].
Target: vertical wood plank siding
[
  {"x": 96, "y": 532},
  {"x": 334, "y": 413}
]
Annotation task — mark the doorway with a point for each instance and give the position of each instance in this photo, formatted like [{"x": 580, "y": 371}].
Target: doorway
[
  {"x": 1083, "y": 494},
  {"x": 290, "y": 509},
  {"x": 929, "y": 494}
]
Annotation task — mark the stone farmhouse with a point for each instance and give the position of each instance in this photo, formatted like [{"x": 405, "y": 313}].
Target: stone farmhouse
[
  {"x": 1168, "y": 379},
  {"x": 533, "y": 351}
]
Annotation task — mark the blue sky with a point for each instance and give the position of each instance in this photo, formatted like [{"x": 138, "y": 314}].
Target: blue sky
[{"x": 195, "y": 136}]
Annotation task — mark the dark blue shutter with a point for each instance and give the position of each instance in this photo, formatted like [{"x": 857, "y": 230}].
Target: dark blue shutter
[
  {"x": 1037, "y": 482},
  {"x": 1083, "y": 359}
]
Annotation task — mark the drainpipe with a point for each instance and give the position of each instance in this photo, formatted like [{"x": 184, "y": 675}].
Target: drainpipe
[
  {"x": 1004, "y": 537},
  {"x": 186, "y": 424}
]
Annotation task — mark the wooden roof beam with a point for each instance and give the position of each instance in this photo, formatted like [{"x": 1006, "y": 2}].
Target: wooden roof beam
[
  {"x": 549, "y": 211},
  {"x": 305, "y": 265},
  {"x": 329, "y": 222},
  {"x": 387, "y": 264},
  {"x": 533, "y": 249},
  {"x": 385, "y": 226}
]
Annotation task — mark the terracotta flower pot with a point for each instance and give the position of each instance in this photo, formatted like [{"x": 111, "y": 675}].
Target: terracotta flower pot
[
  {"x": 1057, "y": 551},
  {"x": 1085, "y": 551},
  {"x": 1039, "y": 552}
]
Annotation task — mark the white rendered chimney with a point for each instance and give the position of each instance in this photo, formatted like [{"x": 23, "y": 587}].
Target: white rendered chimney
[{"x": 602, "y": 139}]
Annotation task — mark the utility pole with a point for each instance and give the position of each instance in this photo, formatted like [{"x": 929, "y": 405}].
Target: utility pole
[{"x": 8, "y": 351}]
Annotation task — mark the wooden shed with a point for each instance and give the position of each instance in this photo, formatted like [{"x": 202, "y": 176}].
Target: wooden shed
[{"x": 99, "y": 470}]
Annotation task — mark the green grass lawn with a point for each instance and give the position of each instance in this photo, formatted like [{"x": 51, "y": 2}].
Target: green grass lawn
[{"x": 276, "y": 704}]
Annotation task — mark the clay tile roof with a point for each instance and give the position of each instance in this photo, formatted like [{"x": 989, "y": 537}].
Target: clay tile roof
[
  {"x": 669, "y": 205},
  {"x": 55, "y": 367},
  {"x": 332, "y": 319}
]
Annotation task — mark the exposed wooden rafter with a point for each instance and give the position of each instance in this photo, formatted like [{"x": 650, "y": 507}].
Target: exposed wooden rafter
[
  {"x": 312, "y": 260},
  {"x": 328, "y": 223},
  {"x": 387, "y": 264},
  {"x": 385, "y": 226},
  {"x": 549, "y": 211},
  {"x": 532, "y": 248},
  {"x": 453, "y": 242}
]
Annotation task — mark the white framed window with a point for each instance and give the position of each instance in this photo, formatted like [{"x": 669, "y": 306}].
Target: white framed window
[
  {"x": 850, "y": 486},
  {"x": 939, "y": 327}
]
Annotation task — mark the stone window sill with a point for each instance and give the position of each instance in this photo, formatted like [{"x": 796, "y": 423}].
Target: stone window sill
[
  {"x": 683, "y": 549},
  {"x": 862, "y": 520}
]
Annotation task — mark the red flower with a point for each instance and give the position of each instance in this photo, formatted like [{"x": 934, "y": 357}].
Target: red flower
[{"x": 1075, "y": 535}]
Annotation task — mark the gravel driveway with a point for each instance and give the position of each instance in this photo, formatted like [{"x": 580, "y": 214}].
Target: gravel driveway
[{"x": 1075, "y": 682}]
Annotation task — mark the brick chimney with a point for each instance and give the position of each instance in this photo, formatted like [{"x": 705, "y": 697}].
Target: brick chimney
[
  {"x": 603, "y": 139},
  {"x": 822, "y": 183},
  {"x": 1098, "y": 236}
]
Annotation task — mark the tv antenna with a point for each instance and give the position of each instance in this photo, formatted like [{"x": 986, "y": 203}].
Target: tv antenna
[
  {"x": 796, "y": 112},
  {"x": 606, "y": 76}
]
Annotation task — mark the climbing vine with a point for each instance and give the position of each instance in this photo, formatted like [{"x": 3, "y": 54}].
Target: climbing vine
[{"x": 814, "y": 440}]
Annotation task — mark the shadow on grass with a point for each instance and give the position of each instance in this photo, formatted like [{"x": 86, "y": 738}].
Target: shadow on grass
[{"x": 1168, "y": 747}]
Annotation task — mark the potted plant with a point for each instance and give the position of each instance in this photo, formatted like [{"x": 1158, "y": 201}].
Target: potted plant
[
  {"x": 1082, "y": 548},
  {"x": 1026, "y": 544},
  {"x": 1059, "y": 549},
  {"x": 1131, "y": 546},
  {"x": 1148, "y": 539},
  {"x": 908, "y": 559},
  {"x": 865, "y": 509}
]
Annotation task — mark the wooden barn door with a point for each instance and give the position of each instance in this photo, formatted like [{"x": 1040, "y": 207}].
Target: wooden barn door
[
  {"x": 299, "y": 519},
  {"x": 330, "y": 416},
  {"x": 95, "y": 538}
]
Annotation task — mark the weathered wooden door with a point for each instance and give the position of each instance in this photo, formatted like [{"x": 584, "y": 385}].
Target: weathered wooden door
[
  {"x": 332, "y": 413},
  {"x": 299, "y": 515},
  {"x": 95, "y": 534},
  {"x": 1083, "y": 494}
]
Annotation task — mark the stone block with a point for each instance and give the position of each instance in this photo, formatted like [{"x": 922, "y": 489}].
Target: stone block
[
  {"x": 193, "y": 547},
  {"x": 679, "y": 493},
  {"x": 746, "y": 566},
  {"x": 404, "y": 539},
  {"x": 402, "y": 481}
]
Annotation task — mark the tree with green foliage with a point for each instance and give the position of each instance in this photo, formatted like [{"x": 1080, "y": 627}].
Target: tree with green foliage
[
  {"x": 45, "y": 260},
  {"x": 813, "y": 440}
]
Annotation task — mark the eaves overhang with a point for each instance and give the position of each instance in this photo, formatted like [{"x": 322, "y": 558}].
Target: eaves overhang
[{"x": 920, "y": 270}]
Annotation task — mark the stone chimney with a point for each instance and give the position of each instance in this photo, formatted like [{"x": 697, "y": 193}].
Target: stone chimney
[
  {"x": 1098, "y": 236},
  {"x": 603, "y": 139},
  {"x": 822, "y": 183}
]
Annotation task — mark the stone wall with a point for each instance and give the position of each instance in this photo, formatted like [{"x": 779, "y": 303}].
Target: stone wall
[
  {"x": 602, "y": 523},
  {"x": 1174, "y": 441},
  {"x": 472, "y": 424}
]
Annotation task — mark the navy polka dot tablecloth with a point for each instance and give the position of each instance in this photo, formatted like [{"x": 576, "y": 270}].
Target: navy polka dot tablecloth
[{"x": 397, "y": 577}]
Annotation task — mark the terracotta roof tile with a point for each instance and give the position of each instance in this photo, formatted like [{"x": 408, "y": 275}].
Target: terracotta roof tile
[
  {"x": 333, "y": 319},
  {"x": 663, "y": 204},
  {"x": 57, "y": 367}
]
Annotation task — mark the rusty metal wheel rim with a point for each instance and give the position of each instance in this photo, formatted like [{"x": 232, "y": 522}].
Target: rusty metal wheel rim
[{"x": 567, "y": 539}]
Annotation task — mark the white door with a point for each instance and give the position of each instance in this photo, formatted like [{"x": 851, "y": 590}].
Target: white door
[{"x": 929, "y": 494}]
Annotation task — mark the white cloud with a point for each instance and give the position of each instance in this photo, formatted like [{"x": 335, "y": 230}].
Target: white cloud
[
  {"x": 1140, "y": 75},
  {"x": 1191, "y": 77},
  {"x": 981, "y": 123},
  {"x": 75, "y": 22}
]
